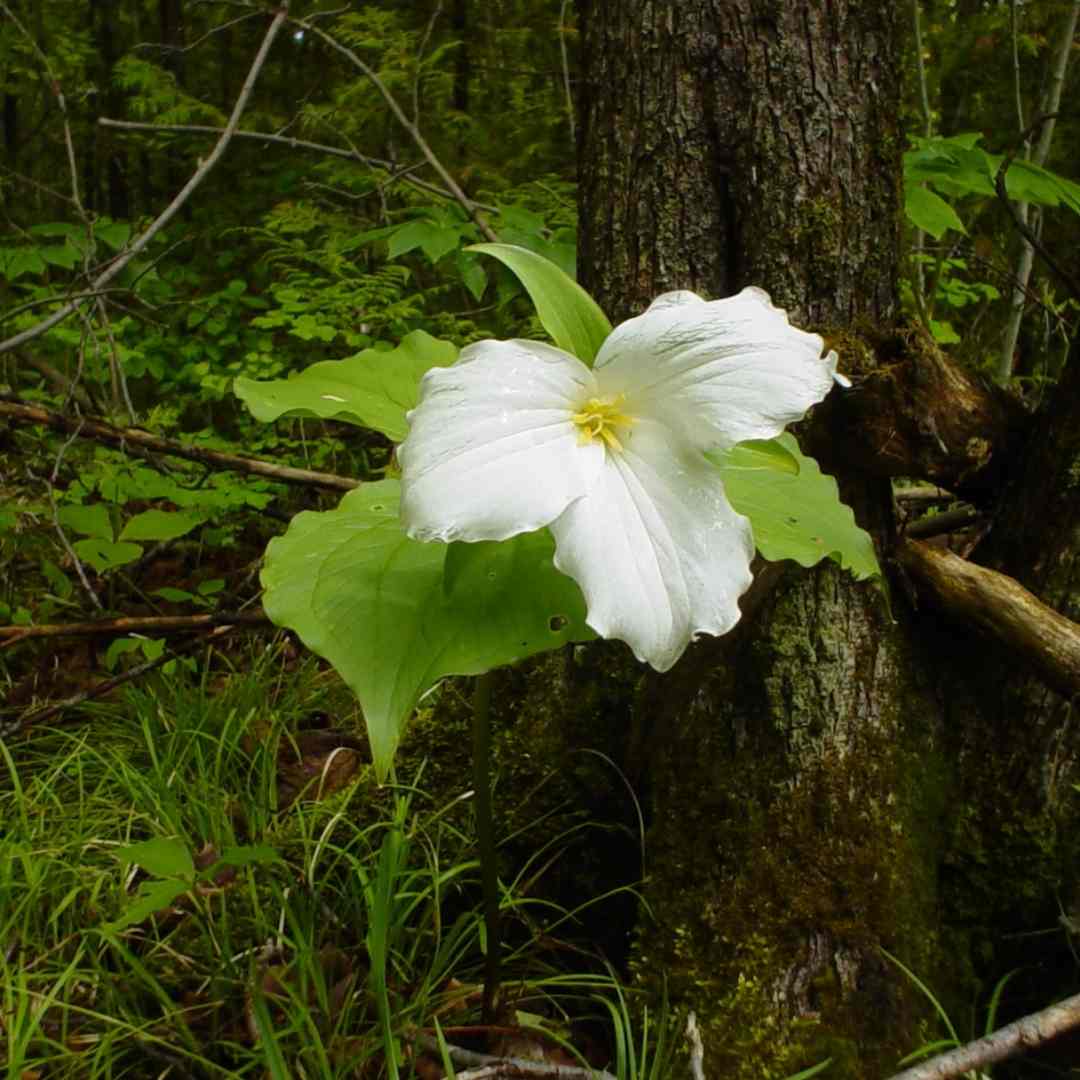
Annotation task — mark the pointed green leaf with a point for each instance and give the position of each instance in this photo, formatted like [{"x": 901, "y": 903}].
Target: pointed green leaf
[
  {"x": 113, "y": 234},
  {"x": 409, "y": 237},
  {"x": 798, "y": 517},
  {"x": 373, "y": 602},
  {"x": 161, "y": 856},
  {"x": 92, "y": 520},
  {"x": 152, "y": 896},
  {"x": 19, "y": 261},
  {"x": 60, "y": 255},
  {"x": 105, "y": 555},
  {"x": 565, "y": 310},
  {"x": 373, "y": 389},
  {"x": 930, "y": 212},
  {"x": 160, "y": 525}
]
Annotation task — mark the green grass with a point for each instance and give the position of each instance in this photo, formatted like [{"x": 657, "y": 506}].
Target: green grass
[{"x": 345, "y": 923}]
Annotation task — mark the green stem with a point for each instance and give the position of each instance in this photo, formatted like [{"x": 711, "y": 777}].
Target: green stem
[{"x": 485, "y": 834}]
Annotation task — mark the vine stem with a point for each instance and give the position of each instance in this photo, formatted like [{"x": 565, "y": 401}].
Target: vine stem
[{"x": 485, "y": 834}]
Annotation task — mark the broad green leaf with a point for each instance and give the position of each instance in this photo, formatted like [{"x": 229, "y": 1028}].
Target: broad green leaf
[
  {"x": 160, "y": 525},
  {"x": 93, "y": 520},
  {"x": 930, "y": 212},
  {"x": 174, "y": 596},
  {"x": 55, "y": 228},
  {"x": 19, "y": 261},
  {"x": 248, "y": 855},
  {"x": 57, "y": 579},
  {"x": 152, "y": 896},
  {"x": 374, "y": 388},
  {"x": 944, "y": 333},
  {"x": 434, "y": 239},
  {"x": 565, "y": 310},
  {"x": 473, "y": 275},
  {"x": 959, "y": 167},
  {"x": 526, "y": 221},
  {"x": 113, "y": 234},
  {"x": 162, "y": 857},
  {"x": 60, "y": 255},
  {"x": 1028, "y": 182},
  {"x": 152, "y": 648},
  {"x": 798, "y": 517},
  {"x": 363, "y": 595},
  {"x": 105, "y": 555},
  {"x": 120, "y": 647}
]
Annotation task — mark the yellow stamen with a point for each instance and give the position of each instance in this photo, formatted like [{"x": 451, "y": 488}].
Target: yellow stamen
[{"x": 599, "y": 417}]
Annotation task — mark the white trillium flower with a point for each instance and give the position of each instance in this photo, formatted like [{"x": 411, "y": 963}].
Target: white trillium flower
[{"x": 518, "y": 435}]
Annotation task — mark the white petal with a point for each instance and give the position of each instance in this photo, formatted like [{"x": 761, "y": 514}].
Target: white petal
[
  {"x": 492, "y": 451},
  {"x": 719, "y": 371},
  {"x": 656, "y": 547}
]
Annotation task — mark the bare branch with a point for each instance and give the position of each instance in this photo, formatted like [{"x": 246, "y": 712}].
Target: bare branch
[
  {"x": 566, "y": 72},
  {"x": 463, "y": 200},
  {"x": 420, "y": 62},
  {"x": 173, "y": 208},
  {"x": 945, "y": 522},
  {"x": 1022, "y": 227},
  {"x": 65, "y": 543},
  {"x": 1001, "y": 607},
  {"x": 58, "y": 93},
  {"x": 395, "y": 172},
  {"x": 134, "y": 440},
  {"x": 1027, "y": 1033}
]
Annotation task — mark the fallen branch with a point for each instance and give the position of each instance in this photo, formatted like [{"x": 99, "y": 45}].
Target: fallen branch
[
  {"x": 1027, "y": 1033},
  {"x": 926, "y": 493},
  {"x": 200, "y": 174},
  {"x": 148, "y": 624},
  {"x": 1001, "y": 607},
  {"x": 109, "y": 684},
  {"x": 136, "y": 440},
  {"x": 511, "y": 1067},
  {"x": 946, "y": 522}
]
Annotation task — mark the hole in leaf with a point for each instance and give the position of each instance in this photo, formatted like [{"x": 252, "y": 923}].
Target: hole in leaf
[{"x": 557, "y": 623}]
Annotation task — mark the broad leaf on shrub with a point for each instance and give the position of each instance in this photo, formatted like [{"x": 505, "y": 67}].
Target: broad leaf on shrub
[
  {"x": 374, "y": 388},
  {"x": 394, "y": 616}
]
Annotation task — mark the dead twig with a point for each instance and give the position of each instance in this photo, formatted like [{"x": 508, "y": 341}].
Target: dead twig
[
  {"x": 1027, "y": 1033},
  {"x": 518, "y": 1068},
  {"x": 136, "y": 624},
  {"x": 159, "y": 223},
  {"x": 463, "y": 200},
  {"x": 1022, "y": 227},
  {"x": 999, "y": 606},
  {"x": 135, "y": 440},
  {"x": 111, "y": 684}
]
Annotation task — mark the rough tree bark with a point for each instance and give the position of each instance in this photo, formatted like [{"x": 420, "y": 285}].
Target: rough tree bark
[{"x": 800, "y": 770}]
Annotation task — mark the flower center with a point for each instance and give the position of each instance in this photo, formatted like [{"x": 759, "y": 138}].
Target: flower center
[{"x": 598, "y": 419}]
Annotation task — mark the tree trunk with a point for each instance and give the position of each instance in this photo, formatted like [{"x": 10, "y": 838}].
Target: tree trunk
[{"x": 799, "y": 771}]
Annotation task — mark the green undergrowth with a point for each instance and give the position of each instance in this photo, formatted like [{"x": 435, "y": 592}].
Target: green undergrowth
[{"x": 311, "y": 923}]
